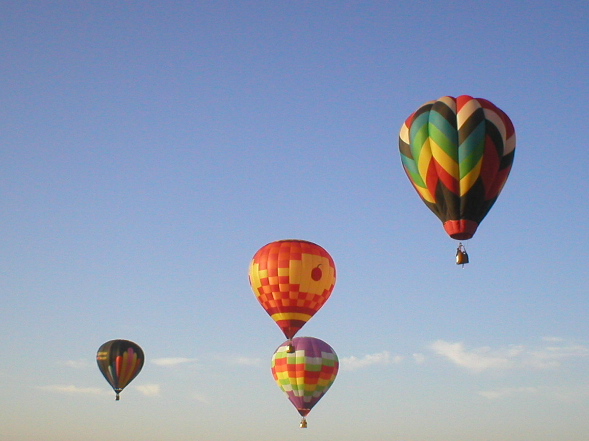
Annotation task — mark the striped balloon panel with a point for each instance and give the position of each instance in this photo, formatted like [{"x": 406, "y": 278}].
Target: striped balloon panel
[
  {"x": 457, "y": 153},
  {"x": 306, "y": 374},
  {"x": 120, "y": 361},
  {"x": 292, "y": 280}
]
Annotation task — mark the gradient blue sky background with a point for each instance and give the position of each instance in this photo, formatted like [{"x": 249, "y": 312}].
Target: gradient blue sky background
[{"x": 149, "y": 149}]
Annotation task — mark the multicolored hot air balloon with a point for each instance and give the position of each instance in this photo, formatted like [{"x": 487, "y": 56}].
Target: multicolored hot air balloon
[
  {"x": 292, "y": 280},
  {"x": 457, "y": 153},
  {"x": 306, "y": 373},
  {"x": 119, "y": 361}
]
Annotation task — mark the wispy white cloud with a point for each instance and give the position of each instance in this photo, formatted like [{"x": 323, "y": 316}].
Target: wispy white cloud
[
  {"x": 248, "y": 361},
  {"x": 510, "y": 357},
  {"x": 149, "y": 390},
  {"x": 478, "y": 359},
  {"x": 71, "y": 389},
  {"x": 239, "y": 360},
  {"x": 353, "y": 363},
  {"x": 172, "y": 361},
  {"x": 419, "y": 358},
  {"x": 200, "y": 398},
  {"x": 568, "y": 394},
  {"x": 552, "y": 339},
  {"x": 77, "y": 364},
  {"x": 507, "y": 392},
  {"x": 552, "y": 356}
]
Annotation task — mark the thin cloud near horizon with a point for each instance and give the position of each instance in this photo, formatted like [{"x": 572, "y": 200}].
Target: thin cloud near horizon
[
  {"x": 72, "y": 389},
  {"x": 173, "y": 361},
  {"x": 353, "y": 363},
  {"x": 485, "y": 358}
]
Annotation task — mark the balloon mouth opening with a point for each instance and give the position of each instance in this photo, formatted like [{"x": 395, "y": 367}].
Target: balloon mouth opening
[
  {"x": 462, "y": 229},
  {"x": 303, "y": 412},
  {"x": 291, "y": 327}
]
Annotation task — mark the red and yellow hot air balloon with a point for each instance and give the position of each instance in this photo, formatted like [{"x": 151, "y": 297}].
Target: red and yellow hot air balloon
[
  {"x": 457, "y": 153},
  {"x": 292, "y": 280},
  {"x": 119, "y": 361},
  {"x": 306, "y": 373}
]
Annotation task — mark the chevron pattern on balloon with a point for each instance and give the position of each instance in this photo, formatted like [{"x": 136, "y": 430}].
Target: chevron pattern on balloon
[{"x": 457, "y": 153}]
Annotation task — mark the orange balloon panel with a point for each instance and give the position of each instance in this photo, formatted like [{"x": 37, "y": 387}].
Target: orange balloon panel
[{"x": 292, "y": 280}]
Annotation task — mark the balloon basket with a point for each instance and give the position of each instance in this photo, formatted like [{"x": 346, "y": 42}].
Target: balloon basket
[
  {"x": 303, "y": 424},
  {"x": 461, "y": 255}
]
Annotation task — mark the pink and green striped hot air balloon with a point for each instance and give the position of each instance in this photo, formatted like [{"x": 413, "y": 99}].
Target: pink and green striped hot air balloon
[
  {"x": 457, "y": 153},
  {"x": 306, "y": 373},
  {"x": 119, "y": 361}
]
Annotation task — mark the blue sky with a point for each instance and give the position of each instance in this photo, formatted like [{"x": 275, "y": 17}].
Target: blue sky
[{"x": 149, "y": 149}]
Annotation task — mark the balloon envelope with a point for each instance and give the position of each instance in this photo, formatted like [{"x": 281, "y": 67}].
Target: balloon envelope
[
  {"x": 457, "y": 153},
  {"x": 119, "y": 361},
  {"x": 305, "y": 374},
  {"x": 292, "y": 280}
]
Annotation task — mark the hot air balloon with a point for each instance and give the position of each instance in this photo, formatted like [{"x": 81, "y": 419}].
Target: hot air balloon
[
  {"x": 457, "y": 153},
  {"x": 306, "y": 373},
  {"x": 119, "y": 361},
  {"x": 292, "y": 280}
]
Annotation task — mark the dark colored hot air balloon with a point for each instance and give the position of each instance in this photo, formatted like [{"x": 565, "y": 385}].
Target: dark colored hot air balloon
[
  {"x": 457, "y": 153},
  {"x": 306, "y": 373},
  {"x": 119, "y": 361},
  {"x": 292, "y": 279}
]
